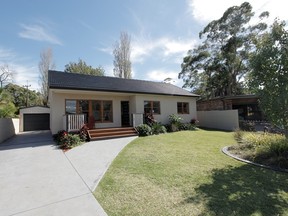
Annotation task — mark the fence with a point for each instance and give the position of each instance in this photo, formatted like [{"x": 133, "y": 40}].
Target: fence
[
  {"x": 8, "y": 128},
  {"x": 219, "y": 119},
  {"x": 73, "y": 122}
]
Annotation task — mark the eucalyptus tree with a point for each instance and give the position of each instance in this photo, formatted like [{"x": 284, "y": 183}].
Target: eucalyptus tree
[{"x": 217, "y": 67}]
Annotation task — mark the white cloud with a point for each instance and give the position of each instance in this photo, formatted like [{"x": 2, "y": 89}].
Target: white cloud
[
  {"x": 161, "y": 74},
  {"x": 164, "y": 48},
  {"x": 39, "y": 33},
  {"x": 204, "y": 14},
  {"x": 23, "y": 69}
]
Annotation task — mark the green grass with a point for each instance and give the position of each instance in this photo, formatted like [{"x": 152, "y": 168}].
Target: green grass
[{"x": 185, "y": 173}]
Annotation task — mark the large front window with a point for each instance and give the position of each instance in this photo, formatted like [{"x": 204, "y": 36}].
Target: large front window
[
  {"x": 100, "y": 110},
  {"x": 152, "y": 107}
]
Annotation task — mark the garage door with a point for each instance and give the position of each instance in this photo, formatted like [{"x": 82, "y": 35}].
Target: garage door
[{"x": 36, "y": 122}]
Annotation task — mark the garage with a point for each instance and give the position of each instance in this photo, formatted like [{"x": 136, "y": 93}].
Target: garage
[
  {"x": 35, "y": 118},
  {"x": 34, "y": 122}
]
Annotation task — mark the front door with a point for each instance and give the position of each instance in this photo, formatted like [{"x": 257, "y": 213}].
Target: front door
[{"x": 125, "y": 117}]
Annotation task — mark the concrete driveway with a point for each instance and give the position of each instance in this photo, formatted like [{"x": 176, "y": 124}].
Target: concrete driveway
[{"x": 36, "y": 178}]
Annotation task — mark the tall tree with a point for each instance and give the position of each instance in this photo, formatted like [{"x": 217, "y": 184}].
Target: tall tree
[
  {"x": 269, "y": 76},
  {"x": 122, "y": 52},
  {"x": 83, "y": 68},
  {"x": 6, "y": 74},
  {"x": 217, "y": 66},
  {"x": 46, "y": 63}
]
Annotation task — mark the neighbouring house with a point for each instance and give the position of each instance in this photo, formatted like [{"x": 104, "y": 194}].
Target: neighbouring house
[
  {"x": 247, "y": 106},
  {"x": 110, "y": 102}
]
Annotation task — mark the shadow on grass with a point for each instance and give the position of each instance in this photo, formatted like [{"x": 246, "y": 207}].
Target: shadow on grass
[{"x": 244, "y": 190}]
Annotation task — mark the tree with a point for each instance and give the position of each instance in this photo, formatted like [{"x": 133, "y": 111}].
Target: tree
[
  {"x": 7, "y": 108},
  {"x": 82, "y": 68},
  {"x": 46, "y": 63},
  {"x": 6, "y": 74},
  {"x": 218, "y": 65},
  {"x": 18, "y": 96},
  {"x": 269, "y": 75},
  {"x": 122, "y": 52}
]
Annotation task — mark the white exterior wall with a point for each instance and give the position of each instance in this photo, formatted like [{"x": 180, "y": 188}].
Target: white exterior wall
[
  {"x": 220, "y": 119},
  {"x": 8, "y": 128},
  {"x": 31, "y": 110},
  {"x": 168, "y": 106}
]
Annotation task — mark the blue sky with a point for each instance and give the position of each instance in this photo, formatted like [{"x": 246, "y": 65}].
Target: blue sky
[{"x": 162, "y": 31}]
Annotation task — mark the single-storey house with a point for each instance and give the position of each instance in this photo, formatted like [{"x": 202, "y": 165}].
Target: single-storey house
[{"x": 109, "y": 102}]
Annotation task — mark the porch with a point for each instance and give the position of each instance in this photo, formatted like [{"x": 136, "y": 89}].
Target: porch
[{"x": 74, "y": 122}]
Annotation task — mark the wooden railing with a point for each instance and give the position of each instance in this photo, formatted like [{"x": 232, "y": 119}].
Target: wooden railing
[{"x": 73, "y": 122}]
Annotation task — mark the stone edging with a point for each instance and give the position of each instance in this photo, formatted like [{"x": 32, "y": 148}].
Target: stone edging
[{"x": 225, "y": 151}]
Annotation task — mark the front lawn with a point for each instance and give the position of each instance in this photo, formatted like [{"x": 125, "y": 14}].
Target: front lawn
[{"x": 185, "y": 173}]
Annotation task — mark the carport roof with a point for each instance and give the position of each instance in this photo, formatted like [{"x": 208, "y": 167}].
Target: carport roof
[{"x": 73, "y": 81}]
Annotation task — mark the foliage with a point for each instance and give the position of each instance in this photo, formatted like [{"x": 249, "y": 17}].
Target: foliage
[
  {"x": 22, "y": 97},
  {"x": 175, "y": 122},
  {"x": 175, "y": 119},
  {"x": 246, "y": 126},
  {"x": 46, "y": 63},
  {"x": 7, "y": 108},
  {"x": 158, "y": 128},
  {"x": 218, "y": 65},
  {"x": 268, "y": 149},
  {"x": 144, "y": 130},
  {"x": 67, "y": 140},
  {"x": 269, "y": 76},
  {"x": 187, "y": 126},
  {"x": 82, "y": 68},
  {"x": 122, "y": 52},
  {"x": 238, "y": 135},
  {"x": 184, "y": 173}
]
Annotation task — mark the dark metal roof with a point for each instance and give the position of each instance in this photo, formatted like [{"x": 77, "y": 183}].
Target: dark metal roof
[{"x": 73, "y": 81}]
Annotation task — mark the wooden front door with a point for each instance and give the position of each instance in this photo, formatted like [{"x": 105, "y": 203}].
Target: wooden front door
[{"x": 125, "y": 116}]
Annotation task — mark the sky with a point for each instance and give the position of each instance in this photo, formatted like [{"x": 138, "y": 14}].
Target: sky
[{"x": 162, "y": 31}]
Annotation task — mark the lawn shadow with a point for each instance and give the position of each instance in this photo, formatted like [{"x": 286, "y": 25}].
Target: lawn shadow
[{"x": 244, "y": 190}]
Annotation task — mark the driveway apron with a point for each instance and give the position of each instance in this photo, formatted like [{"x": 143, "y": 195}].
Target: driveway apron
[{"x": 36, "y": 178}]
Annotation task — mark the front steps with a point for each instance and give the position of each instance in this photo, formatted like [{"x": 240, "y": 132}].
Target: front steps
[{"x": 109, "y": 133}]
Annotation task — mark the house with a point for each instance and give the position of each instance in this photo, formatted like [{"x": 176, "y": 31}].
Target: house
[
  {"x": 110, "y": 102},
  {"x": 247, "y": 106}
]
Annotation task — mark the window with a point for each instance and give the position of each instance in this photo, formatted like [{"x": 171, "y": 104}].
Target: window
[
  {"x": 152, "y": 107},
  {"x": 102, "y": 111},
  {"x": 183, "y": 108},
  {"x": 71, "y": 107}
]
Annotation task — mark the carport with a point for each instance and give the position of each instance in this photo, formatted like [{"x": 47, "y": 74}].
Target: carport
[{"x": 35, "y": 118}]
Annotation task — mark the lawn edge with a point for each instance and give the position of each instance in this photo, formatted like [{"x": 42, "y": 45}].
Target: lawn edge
[{"x": 225, "y": 151}]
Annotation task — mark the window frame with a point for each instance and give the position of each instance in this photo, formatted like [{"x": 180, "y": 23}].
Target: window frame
[
  {"x": 182, "y": 105},
  {"x": 151, "y": 107}
]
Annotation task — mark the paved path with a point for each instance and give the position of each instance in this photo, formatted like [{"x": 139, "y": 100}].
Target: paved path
[{"x": 36, "y": 178}]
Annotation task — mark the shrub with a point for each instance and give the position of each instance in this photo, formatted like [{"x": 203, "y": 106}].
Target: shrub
[
  {"x": 144, "y": 130},
  {"x": 158, "y": 128},
  {"x": 175, "y": 122},
  {"x": 187, "y": 126},
  {"x": 66, "y": 140},
  {"x": 246, "y": 126},
  {"x": 267, "y": 148},
  {"x": 238, "y": 135},
  {"x": 175, "y": 119}
]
